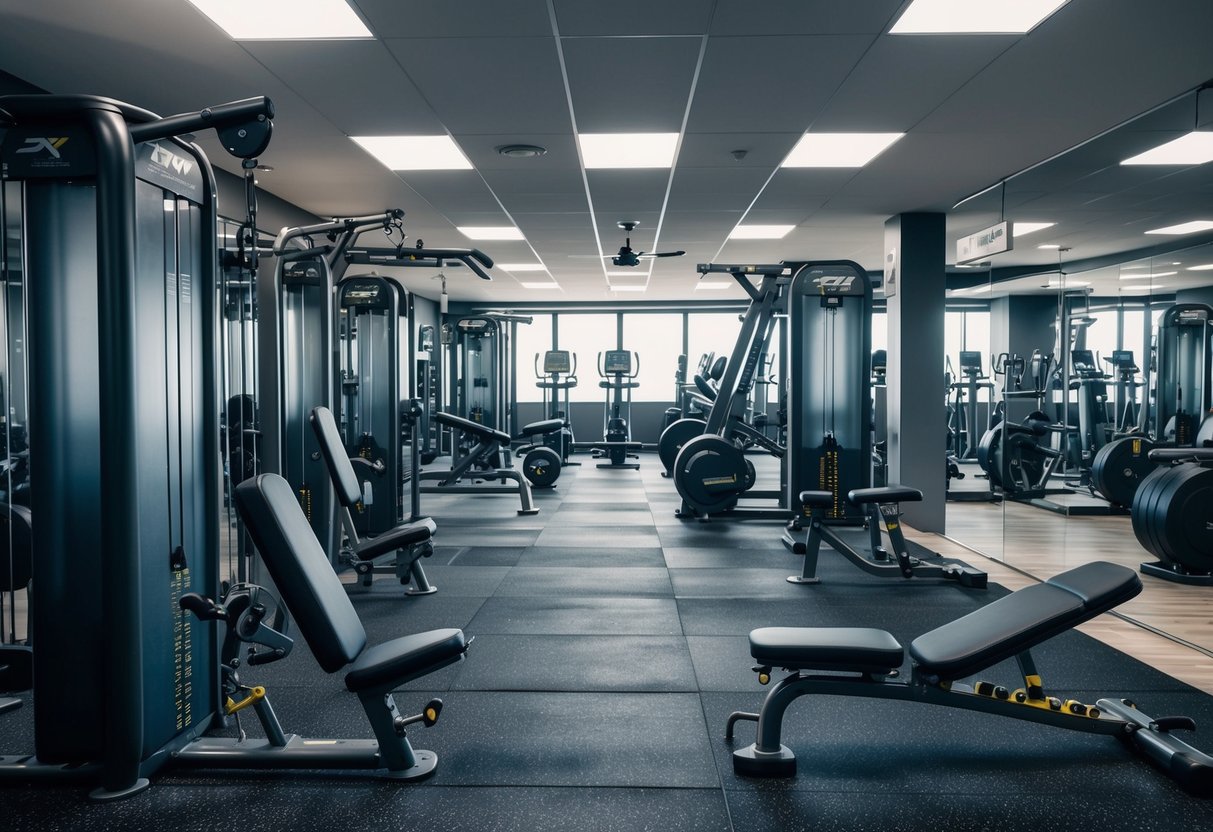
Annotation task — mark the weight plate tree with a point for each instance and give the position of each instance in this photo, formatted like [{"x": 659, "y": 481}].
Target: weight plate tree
[{"x": 830, "y": 398}]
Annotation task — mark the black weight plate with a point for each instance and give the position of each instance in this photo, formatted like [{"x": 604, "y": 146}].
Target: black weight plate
[
  {"x": 541, "y": 467},
  {"x": 709, "y": 473},
  {"x": 989, "y": 454},
  {"x": 1190, "y": 519},
  {"x": 1119, "y": 467},
  {"x": 674, "y": 437},
  {"x": 1142, "y": 511}
]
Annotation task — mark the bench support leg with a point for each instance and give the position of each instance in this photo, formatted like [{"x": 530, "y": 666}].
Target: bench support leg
[
  {"x": 767, "y": 757},
  {"x": 812, "y": 548},
  {"x": 395, "y": 751}
]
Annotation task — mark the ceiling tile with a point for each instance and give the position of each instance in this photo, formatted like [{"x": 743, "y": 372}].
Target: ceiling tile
[
  {"x": 633, "y": 17},
  {"x": 802, "y": 17},
  {"x": 461, "y": 19},
  {"x": 630, "y": 85},
  {"x": 489, "y": 85},
  {"x": 778, "y": 84}
]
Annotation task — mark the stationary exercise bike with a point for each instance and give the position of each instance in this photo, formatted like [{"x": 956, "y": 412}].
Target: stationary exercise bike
[{"x": 618, "y": 370}]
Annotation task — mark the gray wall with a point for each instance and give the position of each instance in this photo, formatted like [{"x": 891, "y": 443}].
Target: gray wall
[
  {"x": 1201, "y": 295},
  {"x": 1018, "y": 325}
]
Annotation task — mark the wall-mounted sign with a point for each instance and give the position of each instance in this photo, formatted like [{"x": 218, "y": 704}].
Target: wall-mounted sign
[{"x": 993, "y": 240}]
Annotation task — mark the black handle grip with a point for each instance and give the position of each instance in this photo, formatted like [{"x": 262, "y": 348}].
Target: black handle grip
[{"x": 204, "y": 608}]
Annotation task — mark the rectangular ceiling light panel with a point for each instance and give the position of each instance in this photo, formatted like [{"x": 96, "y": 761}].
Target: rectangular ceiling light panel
[
  {"x": 490, "y": 232},
  {"x": 547, "y": 284},
  {"x": 415, "y": 152},
  {"x": 1022, "y": 229},
  {"x": 285, "y": 19},
  {"x": 522, "y": 267},
  {"x": 1185, "y": 227},
  {"x": 838, "y": 150},
  {"x": 627, "y": 150},
  {"x": 974, "y": 17},
  {"x": 760, "y": 232},
  {"x": 1196, "y": 148}
]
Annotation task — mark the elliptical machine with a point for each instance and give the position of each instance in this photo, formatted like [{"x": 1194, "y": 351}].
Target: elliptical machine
[
  {"x": 1016, "y": 457},
  {"x": 557, "y": 379},
  {"x": 618, "y": 370}
]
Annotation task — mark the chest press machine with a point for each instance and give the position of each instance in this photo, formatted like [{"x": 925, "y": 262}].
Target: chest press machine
[{"x": 865, "y": 662}]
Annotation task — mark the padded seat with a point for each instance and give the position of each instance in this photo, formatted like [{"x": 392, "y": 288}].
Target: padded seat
[
  {"x": 1022, "y": 620},
  {"x": 400, "y": 537},
  {"x": 482, "y": 432},
  {"x": 542, "y": 427},
  {"x": 887, "y": 494},
  {"x": 852, "y": 649},
  {"x": 817, "y": 498},
  {"x": 402, "y": 659}
]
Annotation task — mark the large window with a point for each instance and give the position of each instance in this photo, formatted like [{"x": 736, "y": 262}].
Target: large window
[
  {"x": 880, "y": 331},
  {"x": 586, "y": 335},
  {"x": 714, "y": 332},
  {"x": 1101, "y": 335},
  {"x": 658, "y": 340},
  {"x": 953, "y": 338},
  {"x": 1135, "y": 335},
  {"x": 533, "y": 339}
]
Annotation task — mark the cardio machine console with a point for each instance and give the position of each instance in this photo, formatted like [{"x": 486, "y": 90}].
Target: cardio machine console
[
  {"x": 557, "y": 361},
  {"x": 617, "y": 361}
]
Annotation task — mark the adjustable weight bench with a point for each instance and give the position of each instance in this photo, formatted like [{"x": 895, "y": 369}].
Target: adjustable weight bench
[
  {"x": 485, "y": 461},
  {"x": 883, "y": 508},
  {"x": 865, "y": 662},
  {"x": 316, "y": 599},
  {"x": 406, "y": 544}
]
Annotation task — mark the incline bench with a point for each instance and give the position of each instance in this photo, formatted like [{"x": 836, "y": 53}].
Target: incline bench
[
  {"x": 316, "y": 599},
  {"x": 406, "y": 544},
  {"x": 864, "y": 661}
]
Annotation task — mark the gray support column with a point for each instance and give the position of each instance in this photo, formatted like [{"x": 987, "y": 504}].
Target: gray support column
[{"x": 914, "y": 275}]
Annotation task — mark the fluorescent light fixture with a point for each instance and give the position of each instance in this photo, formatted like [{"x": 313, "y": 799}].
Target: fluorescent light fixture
[
  {"x": 1023, "y": 229},
  {"x": 522, "y": 267},
  {"x": 1202, "y": 268},
  {"x": 1185, "y": 227},
  {"x": 1067, "y": 284},
  {"x": 1050, "y": 246},
  {"x": 285, "y": 19},
  {"x": 712, "y": 285},
  {"x": 415, "y": 152},
  {"x": 633, "y": 273},
  {"x": 974, "y": 17},
  {"x": 1163, "y": 274},
  {"x": 635, "y": 288},
  {"x": 627, "y": 150},
  {"x": 1136, "y": 276},
  {"x": 760, "y": 232},
  {"x": 547, "y": 284},
  {"x": 838, "y": 150},
  {"x": 490, "y": 232},
  {"x": 1195, "y": 148}
]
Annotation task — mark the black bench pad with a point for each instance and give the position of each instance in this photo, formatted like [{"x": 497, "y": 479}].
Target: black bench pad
[
  {"x": 854, "y": 649},
  {"x": 817, "y": 498},
  {"x": 400, "y": 537},
  {"x": 1022, "y": 620},
  {"x": 482, "y": 432},
  {"x": 887, "y": 494},
  {"x": 401, "y": 659},
  {"x": 542, "y": 427}
]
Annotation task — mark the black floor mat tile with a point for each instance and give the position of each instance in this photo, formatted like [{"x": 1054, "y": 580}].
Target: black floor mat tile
[{"x": 544, "y": 615}]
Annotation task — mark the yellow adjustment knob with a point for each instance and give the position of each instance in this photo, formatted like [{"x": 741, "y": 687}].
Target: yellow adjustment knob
[
  {"x": 764, "y": 678},
  {"x": 255, "y": 696},
  {"x": 431, "y": 714}
]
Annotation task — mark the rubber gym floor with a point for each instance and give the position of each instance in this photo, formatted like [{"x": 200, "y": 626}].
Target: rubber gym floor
[{"x": 610, "y": 647}]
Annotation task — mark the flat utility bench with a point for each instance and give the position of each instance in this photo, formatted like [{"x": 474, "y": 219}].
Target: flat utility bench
[
  {"x": 486, "y": 461},
  {"x": 865, "y": 662},
  {"x": 314, "y": 595},
  {"x": 882, "y": 506},
  {"x": 405, "y": 544}
]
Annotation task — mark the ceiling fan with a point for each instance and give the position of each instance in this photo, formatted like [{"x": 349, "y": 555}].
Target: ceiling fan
[{"x": 627, "y": 257}]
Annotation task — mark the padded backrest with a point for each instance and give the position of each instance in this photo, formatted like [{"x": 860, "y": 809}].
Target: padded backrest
[
  {"x": 300, "y": 570},
  {"x": 718, "y": 368},
  {"x": 341, "y": 472}
]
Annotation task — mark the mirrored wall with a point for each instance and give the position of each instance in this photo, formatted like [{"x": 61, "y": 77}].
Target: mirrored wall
[{"x": 1097, "y": 350}]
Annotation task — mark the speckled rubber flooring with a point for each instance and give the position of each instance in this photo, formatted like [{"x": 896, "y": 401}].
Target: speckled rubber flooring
[{"x": 610, "y": 647}]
